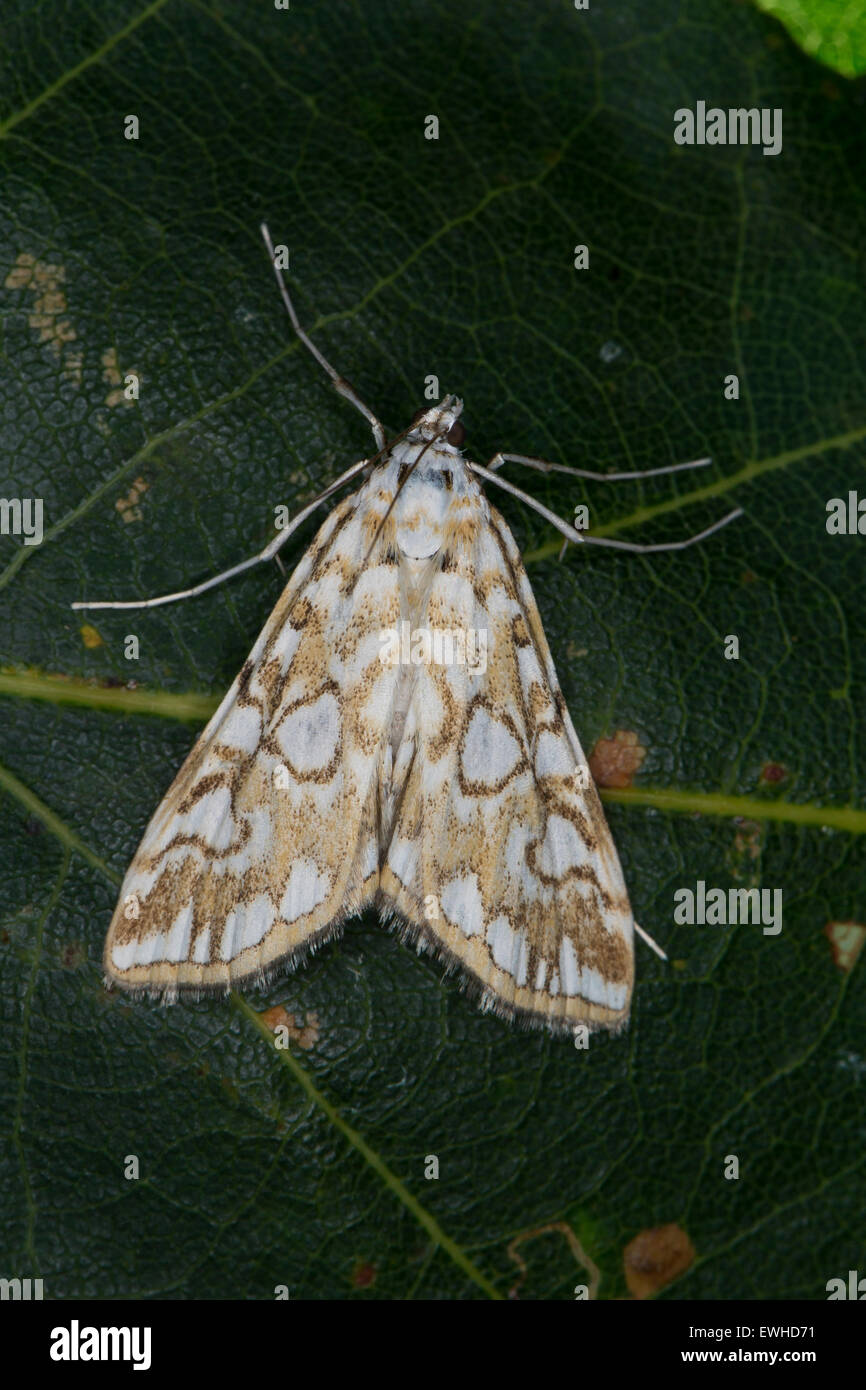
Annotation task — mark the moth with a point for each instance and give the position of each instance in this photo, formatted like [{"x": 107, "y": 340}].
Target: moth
[{"x": 346, "y": 770}]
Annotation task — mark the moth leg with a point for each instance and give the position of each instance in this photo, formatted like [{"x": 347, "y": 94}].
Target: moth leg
[
  {"x": 571, "y": 534},
  {"x": 544, "y": 467},
  {"x": 661, "y": 545},
  {"x": 666, "y": 545},
  {"x": 340, "y": 382},
  {"x": 557, "y": 521},
  {"x": 645, "y": 936},
  {"x": 269, "y": 553}
]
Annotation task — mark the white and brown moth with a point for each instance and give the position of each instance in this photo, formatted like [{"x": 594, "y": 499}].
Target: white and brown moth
[{"x": 451, "y": 795}]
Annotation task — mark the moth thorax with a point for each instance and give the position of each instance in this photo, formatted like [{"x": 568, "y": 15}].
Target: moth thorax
[{"x": 420, "y": 513}]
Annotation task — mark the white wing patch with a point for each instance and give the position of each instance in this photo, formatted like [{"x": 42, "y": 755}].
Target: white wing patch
[{"x": 463, "y": 905}]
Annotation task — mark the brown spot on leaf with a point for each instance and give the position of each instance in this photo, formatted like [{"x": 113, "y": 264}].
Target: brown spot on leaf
[
  {"x": 846, "y": 942},
  {"x": 363, "y": 1275},
  {"x": 302, "y": 1028},
  {"x": 655, "y": 1258},
  {"x": 73, "y": 955},
  {"x": 773, "y": 772},
  {"x": 614, "y": 761},
  {"x": 90, "y": 637}
]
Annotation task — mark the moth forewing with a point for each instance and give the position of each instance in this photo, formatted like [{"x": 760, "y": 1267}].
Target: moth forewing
[
  {"x": 265, "y": 842},
  {"x": 609, "y": 952},
  {"x": 501, "y": 860}
]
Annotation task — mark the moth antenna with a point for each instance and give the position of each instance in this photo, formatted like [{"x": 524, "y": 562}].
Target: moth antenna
[{"x": 343, "y": 386}]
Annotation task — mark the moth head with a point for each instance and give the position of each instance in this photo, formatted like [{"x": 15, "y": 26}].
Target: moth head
[{"x": 440, "y": 421}]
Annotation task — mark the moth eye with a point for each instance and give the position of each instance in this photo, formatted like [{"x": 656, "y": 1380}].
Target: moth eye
[{"x": 456, "y": 435}]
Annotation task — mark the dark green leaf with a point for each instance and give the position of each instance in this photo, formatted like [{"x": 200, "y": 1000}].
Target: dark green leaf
[{"x": 453, "y": 258}]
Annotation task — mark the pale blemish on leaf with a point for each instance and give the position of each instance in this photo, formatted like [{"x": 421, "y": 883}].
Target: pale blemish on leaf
[
  {"x": 561, "y": 1228},
  {"x": 48, "y": 316},
  {"x": 846, "y": 942},
  {"x": 747, "y": 840},
  {"x": 112, "y": 374},
  {"x": 73, "y": 365},
  {"x": 127, "y": 507},
  {"x": 90, "y": 637},
  {"x": 745, "y": 854}
]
